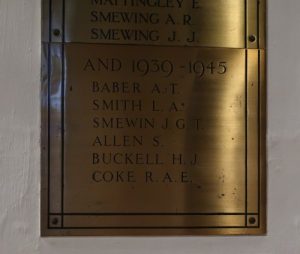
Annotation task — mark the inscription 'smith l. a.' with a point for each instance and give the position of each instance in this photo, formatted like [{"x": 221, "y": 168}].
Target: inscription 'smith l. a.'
[{"x": 153, "y": 117}]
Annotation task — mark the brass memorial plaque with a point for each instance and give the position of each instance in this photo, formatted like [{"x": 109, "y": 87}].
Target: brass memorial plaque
[{"x": 153, "y": 117}]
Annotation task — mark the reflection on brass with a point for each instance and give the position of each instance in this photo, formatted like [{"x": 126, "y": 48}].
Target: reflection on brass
[{"x": 153, "y": 117}]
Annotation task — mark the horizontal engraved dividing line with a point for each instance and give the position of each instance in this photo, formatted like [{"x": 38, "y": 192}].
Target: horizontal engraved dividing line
[
  {"x": 144, "y": 45},
  {"x": 148, "y": 214},
  {"x": 191, "y": 227},
  {"x": 152, "y": 45}
]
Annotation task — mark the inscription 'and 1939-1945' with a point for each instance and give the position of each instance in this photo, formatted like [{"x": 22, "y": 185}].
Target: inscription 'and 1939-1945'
[{"x": 153, "y": 120}]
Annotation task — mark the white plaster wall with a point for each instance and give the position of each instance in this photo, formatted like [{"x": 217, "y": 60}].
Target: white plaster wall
[{"x": 20, "y": 152}]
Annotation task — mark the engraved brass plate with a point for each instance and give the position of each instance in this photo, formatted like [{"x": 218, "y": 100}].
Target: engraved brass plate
[{"x": 153, "y": 117}]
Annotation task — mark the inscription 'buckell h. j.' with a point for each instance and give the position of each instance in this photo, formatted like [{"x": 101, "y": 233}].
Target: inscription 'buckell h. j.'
[{"x": 153, "y": 117}]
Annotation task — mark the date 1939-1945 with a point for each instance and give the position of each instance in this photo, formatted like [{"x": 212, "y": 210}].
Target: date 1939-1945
[{"x": 164, "y": 67}]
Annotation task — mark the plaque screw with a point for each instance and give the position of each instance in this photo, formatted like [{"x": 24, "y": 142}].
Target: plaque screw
[
  {"x": 252, "y": 220},
  {"x": 252, "y": 38},
  {"x": 55, "y": 221},
  {"x": 56, "y": 32}
]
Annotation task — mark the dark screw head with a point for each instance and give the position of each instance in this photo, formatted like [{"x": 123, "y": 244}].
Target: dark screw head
[
  {"x": 56, "y": 32},
  {"x": 252, "y": 38},
  {"x": 252, "y": 220},
  {"x": 54, "y": 221}
]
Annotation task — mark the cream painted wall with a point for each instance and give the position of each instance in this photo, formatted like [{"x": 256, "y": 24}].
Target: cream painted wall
[{"x": 20, "y": 152}]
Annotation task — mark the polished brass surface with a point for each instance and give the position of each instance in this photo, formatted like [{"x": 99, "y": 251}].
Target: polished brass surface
[{"x": 153, "y": 137}]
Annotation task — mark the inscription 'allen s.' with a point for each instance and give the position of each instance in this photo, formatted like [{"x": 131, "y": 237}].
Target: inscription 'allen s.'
[{"x": 118, "y": 141}]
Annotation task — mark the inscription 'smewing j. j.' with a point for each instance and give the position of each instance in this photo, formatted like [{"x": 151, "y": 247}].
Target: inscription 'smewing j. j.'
[{"x": 153, "y": 117}]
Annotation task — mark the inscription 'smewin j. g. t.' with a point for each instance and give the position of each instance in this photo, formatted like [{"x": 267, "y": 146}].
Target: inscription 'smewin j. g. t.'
[{"x": 153, "y": 117}]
